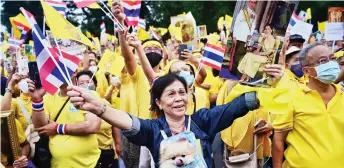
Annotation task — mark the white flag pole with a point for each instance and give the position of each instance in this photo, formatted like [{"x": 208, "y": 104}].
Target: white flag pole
[
  {"x": 63, "y": 60},
  {"x": 107, "y": 13},
  {"x": 43, "y": 25}
]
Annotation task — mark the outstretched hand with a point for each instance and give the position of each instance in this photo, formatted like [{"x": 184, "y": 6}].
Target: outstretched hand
[
  {"x": 133, "y": 40},
  {"x": 83, "y": 99}
]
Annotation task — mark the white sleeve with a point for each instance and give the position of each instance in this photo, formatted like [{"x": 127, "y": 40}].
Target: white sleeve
[{"x": 238, "y": 19}]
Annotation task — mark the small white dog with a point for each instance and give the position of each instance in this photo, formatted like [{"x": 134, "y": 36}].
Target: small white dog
[{"x": 176, "y": 154}]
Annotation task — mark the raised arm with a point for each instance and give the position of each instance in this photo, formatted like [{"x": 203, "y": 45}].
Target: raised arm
[
  {"x": 218, "y": 118},
  {"x": 86, "y": 61},
  {"x": 129, "y": 58},
  {"x": 146, "y": 66},
  {"x": 7, "y": 99},
  {"x": 202, "y": 74},
  {"x": 39, "y": 118}
]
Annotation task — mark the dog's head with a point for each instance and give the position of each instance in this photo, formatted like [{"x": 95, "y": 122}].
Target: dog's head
[{"x": 179, "y": 153}]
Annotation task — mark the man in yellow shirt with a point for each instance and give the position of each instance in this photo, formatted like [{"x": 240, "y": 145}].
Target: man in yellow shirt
[
  {"x": 312, "y": 125},
  {"x": 72, "y": 138}
]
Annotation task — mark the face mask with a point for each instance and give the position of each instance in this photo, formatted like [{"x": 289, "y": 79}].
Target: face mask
[
  {"x": 154, "y": 58},
  {"x": 89, "y": 87},
  {"x": 296, "y": 70},
  {"x": 187, "y": 77},
  {"x": 327, "y": 73},
  {"x": 93, "y": 69}
]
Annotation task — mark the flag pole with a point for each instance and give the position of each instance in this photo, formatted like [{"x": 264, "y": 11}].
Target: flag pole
[
  {"x": 43, "y": 25},
  {"x": 49, "y": 52},
  {"x": 119, "y": 24},
  {"x": 63, "y": 59},
  {"x": 197, "y": 73}
]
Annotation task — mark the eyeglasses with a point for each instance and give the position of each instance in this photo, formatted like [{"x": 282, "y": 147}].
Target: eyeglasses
[{"x": 322, "y": 61}]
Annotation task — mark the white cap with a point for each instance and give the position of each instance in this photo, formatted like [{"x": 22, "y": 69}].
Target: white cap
[{"x": 293, "y": 49}]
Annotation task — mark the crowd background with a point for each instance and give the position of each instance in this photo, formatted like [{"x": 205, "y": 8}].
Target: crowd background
[{"x": 142, "y": 71}]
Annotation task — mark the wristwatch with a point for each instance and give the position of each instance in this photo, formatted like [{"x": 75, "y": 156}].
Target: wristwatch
[{"x": 9, "y": 90}]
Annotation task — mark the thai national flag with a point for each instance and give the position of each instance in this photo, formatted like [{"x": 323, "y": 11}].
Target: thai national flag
[
  {"x": 61, "y": 7},
  {"x": 213, "y": 56},
  {"x": 142, "y": 23},
  {"x": 102, "y": 27},
  {"x": 83, "y": 3},
  {"x": 52, "y": 70},
  {"x": 12, "y": 42},
  {"x": 132, "y": 11},
  {"x": 292, "y": 21}
]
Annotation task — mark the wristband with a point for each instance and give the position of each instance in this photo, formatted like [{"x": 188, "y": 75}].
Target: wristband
[
  {"x": 37, "y": 105},
  {"x": 61, "y": 128},
  {"x": 102, "y": 110}
]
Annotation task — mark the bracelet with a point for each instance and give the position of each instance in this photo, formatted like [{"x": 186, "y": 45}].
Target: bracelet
[
  {"x": 9, "y": 90},
  {"x": 61, "y": 128},
  {"x": 37, "y": 105},
  {"x": 102, "y": 111}
]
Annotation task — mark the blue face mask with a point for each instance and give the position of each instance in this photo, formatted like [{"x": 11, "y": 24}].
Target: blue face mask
[
  {"x": 187, "y": 77},
  {"x": 297, "y": 70},
  {"x": 327, "y": 73}
]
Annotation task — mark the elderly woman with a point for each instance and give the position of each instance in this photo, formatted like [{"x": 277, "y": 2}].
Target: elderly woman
[{"x": 170, "y": 98}]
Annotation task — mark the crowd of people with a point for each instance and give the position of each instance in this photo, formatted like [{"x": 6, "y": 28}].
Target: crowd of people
[{"x": 162, "y": 111}]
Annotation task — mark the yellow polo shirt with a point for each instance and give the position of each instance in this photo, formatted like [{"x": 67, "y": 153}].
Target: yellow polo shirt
[
  {"x": 70, "y": 151},
  {"x": 141, "y": 88},
  {"x": 316, "y": 136}
]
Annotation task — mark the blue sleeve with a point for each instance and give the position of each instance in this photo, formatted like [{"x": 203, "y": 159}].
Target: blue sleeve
[
  {"x": 141, "y": 132},
  {"x": 214, "y": 120}
]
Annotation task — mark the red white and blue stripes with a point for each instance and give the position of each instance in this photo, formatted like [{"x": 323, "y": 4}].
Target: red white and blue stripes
[
  {"x": 37, "y": 105},
  {"x": 213, "y": 56},
  {"x": 12, "y": 42},
  {"x": 132, "y": 11},
  {"x": 61, "y": 7},
  {"x": 61, "y": 128},
  {"x": 142, "y": 23}
]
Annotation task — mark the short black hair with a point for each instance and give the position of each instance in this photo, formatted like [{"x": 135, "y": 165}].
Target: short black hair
[
  {"x": 158, "y": 88},
  {"x": 88, "y": 73}
]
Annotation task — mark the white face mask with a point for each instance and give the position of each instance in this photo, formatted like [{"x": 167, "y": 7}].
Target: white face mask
[
  {"x": 93, "y": 69},
  {"x": 115, "y": 79}
]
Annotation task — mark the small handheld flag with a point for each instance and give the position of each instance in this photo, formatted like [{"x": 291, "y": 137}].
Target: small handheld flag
[
  {"x": 213, "y": 56},
  {"x": 132, "y": 11}
]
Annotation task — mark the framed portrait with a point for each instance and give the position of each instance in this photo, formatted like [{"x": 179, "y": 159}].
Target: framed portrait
[
  {"x": 202, "y": 31},
  {"x": 336, "y": 14},
  {"x": 10, "y": 147}
]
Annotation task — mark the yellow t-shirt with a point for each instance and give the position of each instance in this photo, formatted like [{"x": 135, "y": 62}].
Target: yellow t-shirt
[
  {"x": 105, "y": 140},
  {"x": 201, "y": 101},
  {"x": 115, "y": 101},
  {"x": 26, "y": 100},
  {"x": 67, "y": 150},
  {"x": 240, "y": 134},
  {"x": 102, "y": 83},
  {"x": 127, "y": 98},
  {"x": 18, "y": 114},
  {"x": 141, "y": 88},
  {"x": 20, "y": 132},
  {"x": 315, "y": 137},
  {"x": 216, "y": 85}
]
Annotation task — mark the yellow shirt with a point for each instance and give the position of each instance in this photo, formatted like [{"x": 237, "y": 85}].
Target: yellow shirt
[
  {"x": 102, "y": 83},
  {"x": 18, "y": 114},
  {"x": 115, "y": 101},
  {"x": 216, "y": 85},
  {"x": 240, "y": 134},
  {"x": 20, "y": 132},
  {"x": 315, "y": 137},
  {"x": 26, "y": 100},
  {"x": 105, "y": 140},
  {"x": 202, "y": 101},
  {"x": 127, "y": 102},
  {"x": 70, "y": 151},
  {"x": 141, "y": 88}
]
